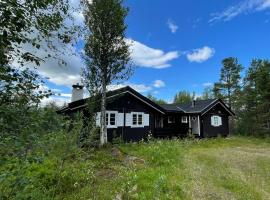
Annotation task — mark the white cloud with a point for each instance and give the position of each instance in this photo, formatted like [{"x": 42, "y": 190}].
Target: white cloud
[
  {"x": 67, "y": 75},
  {"x": 244, "y": 7},
  {"x": 159, "y": 84},
  {"x": 145, "y": 56},
  {"x": 208, "y": 84},
  {"x": 172, "y": 26},
  {"x": 200, "y": 55},
  {"x": 58, "y": 101}
]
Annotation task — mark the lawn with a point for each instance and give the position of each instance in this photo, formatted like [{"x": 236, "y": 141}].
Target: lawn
[{"x": 231, "y": 168}]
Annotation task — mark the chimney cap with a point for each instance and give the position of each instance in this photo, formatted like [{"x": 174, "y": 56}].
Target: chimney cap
[
  {"x": 193, "y": 103},
  {"x": 77, "y": 86}
]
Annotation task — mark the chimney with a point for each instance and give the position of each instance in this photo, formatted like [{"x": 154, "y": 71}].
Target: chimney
[
  {"x": 193, "y": 103},
  {"x": 77, "y": 92}
]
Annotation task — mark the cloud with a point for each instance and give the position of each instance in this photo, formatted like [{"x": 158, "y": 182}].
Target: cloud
[
  {"x": 159, "y": 84},
  {"x": 244, "y": 7},
  {"x": 172, "y": 26},
  {"x": 144, "y": 56},
  {"x": 200, "y": 55},
  {"x": 208, "y": 84},
  {"x": 57, "y": 100}
]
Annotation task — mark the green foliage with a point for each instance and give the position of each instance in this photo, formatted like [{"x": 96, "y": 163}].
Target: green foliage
[
  {"x": 228, "y": 86},
  {"x": 207, "y": 93},
  {"x": 184, "y": 97},
  {"x": 154, "y": 99},
  {"x": 254, "y": 118},
  {"x": 163, "y": 169},
  {"x": 107, "y": 52}
]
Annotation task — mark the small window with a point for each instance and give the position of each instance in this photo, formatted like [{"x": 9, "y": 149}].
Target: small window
[
  {"x": 137, "y": 119},
  {"x": 134, "y": 119},
  {"x": 194, "y": 118},
  {"x": 171, "y": 119},
  {"x": 216, "y": 121},
  {"x": 184, "y": 119},
  {"x": 112, "y": 119}
]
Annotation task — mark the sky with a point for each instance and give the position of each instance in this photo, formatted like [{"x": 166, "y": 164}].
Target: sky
[{"x": 177, "y": 45}]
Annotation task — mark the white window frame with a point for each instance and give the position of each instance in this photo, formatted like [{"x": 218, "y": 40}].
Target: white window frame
[
  {"x": 184, "y": 119},
  {"x": 137, "y": 125},
  {"x": 216, "y": 121},
  {"x": 171, "y": 119},
  {"x": 109, "y": 119}
]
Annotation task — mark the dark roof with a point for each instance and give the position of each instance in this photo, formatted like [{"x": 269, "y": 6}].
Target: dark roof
[
  {"x": 200, "y": 105},
  {"x": 110, "y": 96}
]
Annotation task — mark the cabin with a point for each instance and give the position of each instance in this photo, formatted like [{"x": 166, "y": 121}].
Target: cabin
[{"x": 133, "y": 117}]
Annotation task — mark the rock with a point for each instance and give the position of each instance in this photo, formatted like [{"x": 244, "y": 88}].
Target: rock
[
  {"x": 118, "y": 197},
  {"x": 133, "y": 160},
  {"x": 116, "y": 152}
]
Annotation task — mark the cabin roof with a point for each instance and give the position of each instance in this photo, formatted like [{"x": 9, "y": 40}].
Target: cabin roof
[
  {"x": 200, "y": 105},
  {"x": 110, "y": 97}
]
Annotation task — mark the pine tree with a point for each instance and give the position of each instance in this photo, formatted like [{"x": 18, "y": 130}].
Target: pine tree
[{"x": 229, "y": 83}]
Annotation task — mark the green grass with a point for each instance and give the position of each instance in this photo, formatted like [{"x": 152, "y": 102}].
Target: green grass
[{"x": 232, "y": 168}]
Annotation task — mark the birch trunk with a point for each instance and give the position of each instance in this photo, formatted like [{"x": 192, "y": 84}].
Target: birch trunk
[{"x": 103, "y": 127}]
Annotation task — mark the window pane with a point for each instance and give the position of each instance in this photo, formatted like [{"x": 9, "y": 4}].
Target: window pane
[
  {"x": 140, "y": 119},
  {"x": 134, "y": 119},
  {"x": 112, "y": 119},
  {"x": 106, "y": 118},
  {"x": 216, "y": 120}
]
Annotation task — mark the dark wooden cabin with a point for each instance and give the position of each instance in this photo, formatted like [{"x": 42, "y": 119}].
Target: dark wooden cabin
[{"x": 132, "y": 116}]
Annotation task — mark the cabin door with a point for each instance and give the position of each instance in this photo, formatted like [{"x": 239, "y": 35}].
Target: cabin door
[{"x": 195, "y": 124}]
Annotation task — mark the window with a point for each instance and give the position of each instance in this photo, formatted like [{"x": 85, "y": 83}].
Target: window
[
  {"x": 194, "y": 118},
  {"x": 134, "y": 119},
  {"x": 137, "y": 119},
  {"x": 171, "y": 119},
  {"x": 216, "y": 120},
  {"x": 184, "y": 119},
  {"x": 111, "y": 119}
]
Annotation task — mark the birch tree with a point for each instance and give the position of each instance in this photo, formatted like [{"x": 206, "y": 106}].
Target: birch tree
[{"x": 106, "y": 50}]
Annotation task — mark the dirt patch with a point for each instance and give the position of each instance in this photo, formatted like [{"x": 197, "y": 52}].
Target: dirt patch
[
  {"x": 125, "y": 158},
  {"x": 106, "y": 173}
]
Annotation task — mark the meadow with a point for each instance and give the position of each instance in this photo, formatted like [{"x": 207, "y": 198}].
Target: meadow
[{"x": 221, "y": 168}]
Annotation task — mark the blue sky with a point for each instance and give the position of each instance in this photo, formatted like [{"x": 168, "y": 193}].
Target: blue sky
[{"x": 179, "y": 45}]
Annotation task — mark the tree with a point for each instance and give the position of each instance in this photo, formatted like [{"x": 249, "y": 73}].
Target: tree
[
  {"x": 25, "y": 27},
  {"x": 207, "y": 93},
  {"x": 28, "y": 24},
  {"x": 154, "y": 99},
  {"x": 106, "y": 50},
  {"x": 255, "y": 114},
  {"x": 229, "y": 83},
  {"x": 184, "y": 97}
]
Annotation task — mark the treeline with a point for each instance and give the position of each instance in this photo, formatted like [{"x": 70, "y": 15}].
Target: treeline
[{"x": 248, "y": 95}]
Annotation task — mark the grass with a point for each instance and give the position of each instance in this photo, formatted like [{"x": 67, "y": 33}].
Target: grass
[{"x": 231, "y": 168}]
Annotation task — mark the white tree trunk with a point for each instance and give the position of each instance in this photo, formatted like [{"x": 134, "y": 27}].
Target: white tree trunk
[{"x": 103, "y": 126}]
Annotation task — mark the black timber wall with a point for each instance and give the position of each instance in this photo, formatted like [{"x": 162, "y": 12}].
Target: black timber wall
[
  {"x": 211, "y": 131},
  {"x": 127, "y": 103}
]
